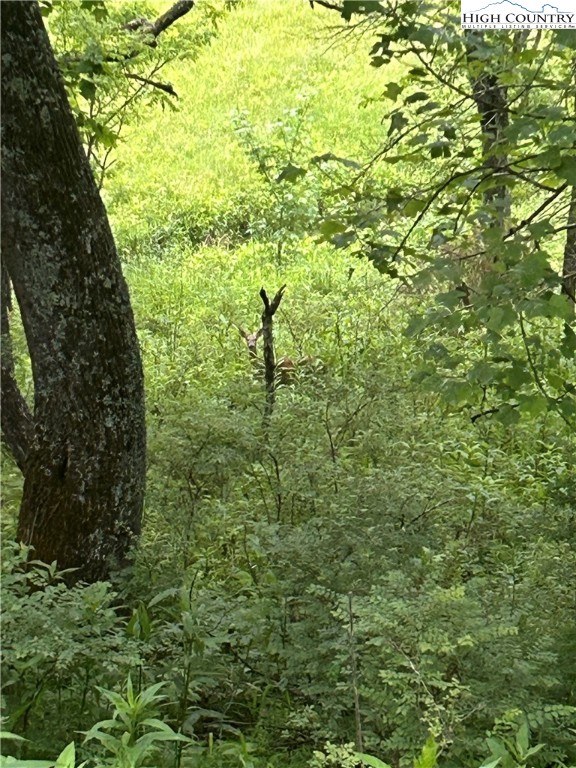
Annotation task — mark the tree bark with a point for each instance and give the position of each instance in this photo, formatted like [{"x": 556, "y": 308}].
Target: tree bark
[
  {"x": 491, "y": 100},
  {"x": 84, "y": 471},
  {"x": 16, "y": 419},
  {"x": 270, "y": 308},
  {"x": 569, "y": 265}
]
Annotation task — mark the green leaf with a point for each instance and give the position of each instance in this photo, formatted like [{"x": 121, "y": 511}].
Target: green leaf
[
  {"x": 361, "y": 7},
  {"x": 458, "y": 392},
  {"x": 483, "y": 373},
  {"x": 418, "y": 96},
  {"x": 67, "y": 758},
  {"x": 331, "y": 227},
  {"x": 413, "y": 207},
  {"x": 394, "y": 200},
  {"x": 521, "y": 128},
  {"x": 517, "y": 376},
  {"x": 507, "y": 415},
  {"x": 532, "y": 269},
  {"x": 533, "y": 405},
  {"x": 344, "y": 240},
  {"x": 9, "y": 736},
  {"x": 373, "y": 762},
  {"x": 565, "y": 37},
  {"x": 567, "y": 407},
  {"x": 291, "y": 173},
  {"x": 425, "y": 35},
  {"x": 439, "y": 149},
  {"x": 568, "y": 345},
  {"x": 397, "y": 122},
  {"x": 382, "y": 45},
  {"x": 382, "y": 256},
  {"x": 567, "y": 169},
  {"x": 88, "y": 89},
  {"x": 379, "y": 61},
  {"x": 330, "y": 157},
  {"x": 450, "y": 299},
  {"x": 563, "y": 136},
  {"x": 392, "y": 91},
  {"x": 501, "y": 317},
  {"x": 429, "y": 755},
  {"x": 96, "y": 7},
  {"x": 523, "y": 737},
  {"x": 171, "y": 591},
  {"x": 560, "y": 307}
]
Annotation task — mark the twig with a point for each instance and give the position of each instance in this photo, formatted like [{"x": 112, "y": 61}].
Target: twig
[
  {"x": 166, "y": 87},
  {"x": 525, "y": 222},
  {"x": 326, "y": 4}
]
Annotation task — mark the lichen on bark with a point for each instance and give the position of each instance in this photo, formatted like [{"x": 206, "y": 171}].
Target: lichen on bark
[{"x": 85, "y": 468}]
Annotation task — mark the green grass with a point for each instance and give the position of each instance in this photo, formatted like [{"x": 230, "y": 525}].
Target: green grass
[{"x": 269, "y": 55}]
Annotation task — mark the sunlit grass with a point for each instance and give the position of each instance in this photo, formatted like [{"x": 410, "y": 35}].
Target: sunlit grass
[{"x": 268, "y": 55}]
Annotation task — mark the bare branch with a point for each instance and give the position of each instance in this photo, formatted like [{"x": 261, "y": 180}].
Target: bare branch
[
  {"x": 270, "y": 308},
  {"x": 155, "y": 28},
  {"x": 166, "y": 87},
  {"x": 179, "y": 9},
  {"x": 326, "y": 4},
  {"x": 525, "y": 222}
]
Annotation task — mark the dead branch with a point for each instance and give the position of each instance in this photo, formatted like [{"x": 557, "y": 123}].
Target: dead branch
[
  {"x": 166, "y": 87},
  {"x": 270, "y": 308},
  {"x": 155, "y": 28}
]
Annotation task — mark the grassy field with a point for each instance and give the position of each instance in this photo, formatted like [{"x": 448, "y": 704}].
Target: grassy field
[{"x": 270, "y": 57}]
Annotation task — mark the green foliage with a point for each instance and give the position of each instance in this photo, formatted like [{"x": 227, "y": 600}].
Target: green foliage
[
  {"x": 260, "y": 65},
  {"x": 66, "y": 759},
  {"x": 512, "y": 751},
  {"x": 110, "y": 61},
  {"x": 58, "y": 643},
  {"x": 345, "y": 756},
  {"x": 132, "y": 735},
  {"x": 292, "y": 207},
  {"x": 481, "y": 222}
]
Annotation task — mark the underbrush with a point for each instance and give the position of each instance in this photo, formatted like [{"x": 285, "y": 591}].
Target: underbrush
[{"x": 363, "y": 568}]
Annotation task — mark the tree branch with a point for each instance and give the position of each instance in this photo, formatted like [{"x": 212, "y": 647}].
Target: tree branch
[
  {"x": 326, "y": 4},
  {"x": 569, "y": 261},
  {"x": 525, "y": 222},
  {"x": 166, "y": 87},
  {"x": 179, "y": 9},
  {"x": 155, "y": 28},
  {"x": 270, "y": 308}
]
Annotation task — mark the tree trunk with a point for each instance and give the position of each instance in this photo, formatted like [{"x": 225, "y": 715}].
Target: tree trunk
[
  {"x": 17, "y": 424},
  {"x": 569, "y": 265},
  {"x": 269, "y": 354},
  {"x": 491, "y": 100},
  {"x": 84, "y": 472}
]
